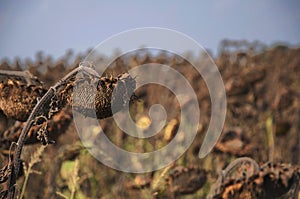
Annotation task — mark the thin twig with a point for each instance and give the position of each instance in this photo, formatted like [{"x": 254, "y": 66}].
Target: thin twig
[{"x": 35, "y": 158}]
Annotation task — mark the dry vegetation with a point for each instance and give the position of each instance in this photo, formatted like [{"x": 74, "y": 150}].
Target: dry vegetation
[{"x": 262, "y": 122}]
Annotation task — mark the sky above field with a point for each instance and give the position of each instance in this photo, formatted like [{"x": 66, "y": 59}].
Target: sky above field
[{"x": 53, "y": 26}]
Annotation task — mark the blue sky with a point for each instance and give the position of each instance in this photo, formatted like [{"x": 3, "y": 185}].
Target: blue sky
[{"x": 55, "y": 26}]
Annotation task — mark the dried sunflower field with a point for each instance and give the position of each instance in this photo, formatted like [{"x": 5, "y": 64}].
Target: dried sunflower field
[{"x": 257, "y": 155}]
